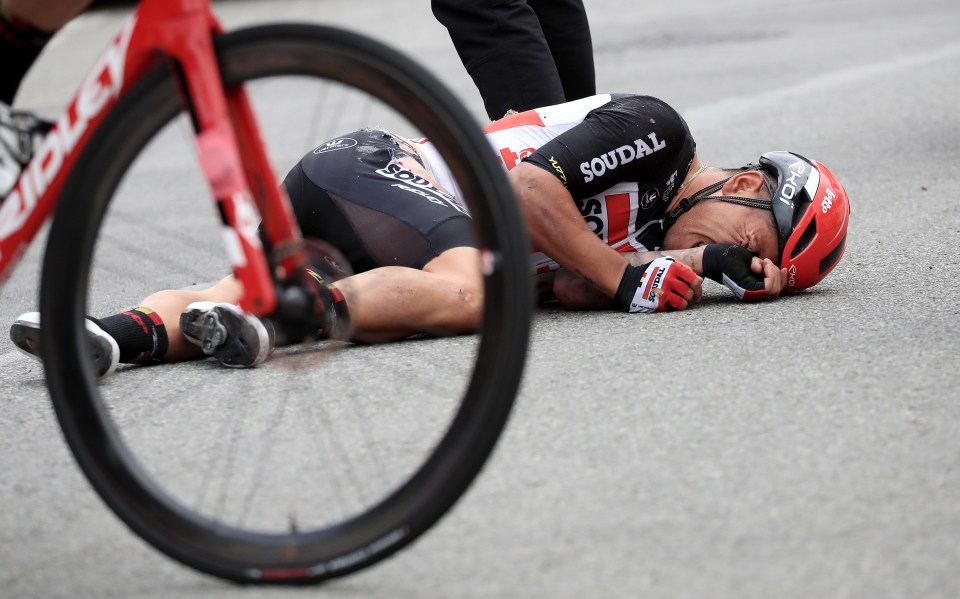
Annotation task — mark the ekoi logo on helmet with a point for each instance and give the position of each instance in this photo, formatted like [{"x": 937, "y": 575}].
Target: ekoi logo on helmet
[{"x": 799, "y": 178}]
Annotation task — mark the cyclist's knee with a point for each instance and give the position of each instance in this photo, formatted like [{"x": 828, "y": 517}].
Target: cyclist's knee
[
  {"x": 459, "y": 271},
  {"x": 467, "y": 304}
]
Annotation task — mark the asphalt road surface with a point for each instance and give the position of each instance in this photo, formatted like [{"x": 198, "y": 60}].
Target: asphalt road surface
[{"x": 805, "y": 447}]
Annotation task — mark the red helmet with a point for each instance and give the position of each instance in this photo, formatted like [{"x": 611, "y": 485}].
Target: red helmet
[{"x": 812, "y": 211}]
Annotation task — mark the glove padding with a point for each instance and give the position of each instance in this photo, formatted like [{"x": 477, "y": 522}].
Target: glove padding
[
  {"x": 637, "y": 289},
  {"x": 729, "y": 265}
]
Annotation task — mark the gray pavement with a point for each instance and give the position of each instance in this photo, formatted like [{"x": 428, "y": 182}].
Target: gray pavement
[{"x": 806, "y": 447}]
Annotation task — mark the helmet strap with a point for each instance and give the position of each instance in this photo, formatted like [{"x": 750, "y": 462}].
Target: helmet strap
[{"x": 670, "y": 218}]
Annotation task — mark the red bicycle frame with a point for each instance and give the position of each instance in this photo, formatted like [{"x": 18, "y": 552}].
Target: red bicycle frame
[{"x": 230, "y": 149}]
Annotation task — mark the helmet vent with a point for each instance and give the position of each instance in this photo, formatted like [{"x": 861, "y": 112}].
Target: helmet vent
[
  {"x": 830, "y": 259},
  {"x": 803, "y": 202},
  {"x": 808, "y": 234}
]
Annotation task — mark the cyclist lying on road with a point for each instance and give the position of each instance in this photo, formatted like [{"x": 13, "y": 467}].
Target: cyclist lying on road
[{"x": 605, "y": 182}]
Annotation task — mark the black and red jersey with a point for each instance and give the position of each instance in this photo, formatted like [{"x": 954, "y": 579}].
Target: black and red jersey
[{"x": 622, "y": 158}]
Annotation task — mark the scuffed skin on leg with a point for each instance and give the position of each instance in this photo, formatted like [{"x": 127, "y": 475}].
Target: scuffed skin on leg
[{"x": 393, "y": 302}]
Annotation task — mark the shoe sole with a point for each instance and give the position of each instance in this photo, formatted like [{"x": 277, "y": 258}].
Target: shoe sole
[
  {"x": 102, "y": 349},
  {"x": 226, "y": 333}
]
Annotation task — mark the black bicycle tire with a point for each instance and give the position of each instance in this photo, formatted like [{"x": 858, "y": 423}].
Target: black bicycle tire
[{"x": 415, "y": 506}]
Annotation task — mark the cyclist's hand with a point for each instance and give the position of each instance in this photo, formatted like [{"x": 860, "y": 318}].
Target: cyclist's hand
[
  {"x": 663, "y": 284},
  {"x": 746, "y": 275}
]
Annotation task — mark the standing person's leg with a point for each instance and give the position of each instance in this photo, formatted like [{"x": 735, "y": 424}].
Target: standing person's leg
[
  {"x": 503, "y": 49},
  {"x": 567, "y": 31},
  {"x": 25, "y": 28}
]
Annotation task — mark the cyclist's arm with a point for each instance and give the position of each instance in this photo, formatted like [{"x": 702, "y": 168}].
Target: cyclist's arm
[
  {"x": 576, "y": 293},
  {"x": 649, "y": 138},
  {"x": 558, "y": 230}
]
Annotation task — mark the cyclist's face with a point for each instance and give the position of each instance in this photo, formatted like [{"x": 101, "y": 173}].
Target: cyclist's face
[
  {"x": 719, "y": 221},
  {"x": 713, "y": 221}
]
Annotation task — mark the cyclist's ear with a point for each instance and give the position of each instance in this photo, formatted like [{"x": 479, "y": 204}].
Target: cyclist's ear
[{"x": 747, "y": 183}]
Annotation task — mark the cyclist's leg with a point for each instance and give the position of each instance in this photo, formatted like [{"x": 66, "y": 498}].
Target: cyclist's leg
[
  {"x": 169, "y": 304},
  {"x": 146, "y": 334},
  {"x": 386, "y": 304},
  {"x": 394, "y": 302}
]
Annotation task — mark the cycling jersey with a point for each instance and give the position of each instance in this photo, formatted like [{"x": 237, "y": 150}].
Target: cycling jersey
[{"x": 622, "y": 158}]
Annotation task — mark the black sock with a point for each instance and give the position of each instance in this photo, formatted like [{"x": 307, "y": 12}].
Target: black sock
[
  {"x": 140, "y": 333},
  {"x": 20, "y": 45}
]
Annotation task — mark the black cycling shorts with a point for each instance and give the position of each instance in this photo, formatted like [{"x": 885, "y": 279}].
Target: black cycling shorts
[{"x": 352, "y": 193}]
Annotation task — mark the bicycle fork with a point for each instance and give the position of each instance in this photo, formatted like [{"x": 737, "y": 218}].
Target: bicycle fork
[{"x": 235, "y": 164}]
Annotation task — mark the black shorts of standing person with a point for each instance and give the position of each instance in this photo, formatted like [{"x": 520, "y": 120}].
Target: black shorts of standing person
[{"x": 522, "y": 54}]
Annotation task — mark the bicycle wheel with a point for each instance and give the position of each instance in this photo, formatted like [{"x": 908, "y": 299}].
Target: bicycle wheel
[{"x": 181, "y": 468}]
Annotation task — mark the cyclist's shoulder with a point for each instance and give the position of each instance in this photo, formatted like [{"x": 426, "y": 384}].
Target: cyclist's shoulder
[
  {"x": 638, "y": 108},
  {"x": 613, "y": 116}
]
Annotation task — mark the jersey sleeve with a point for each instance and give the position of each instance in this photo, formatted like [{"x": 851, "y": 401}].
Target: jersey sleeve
[{"x": 630, "y": 138}]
